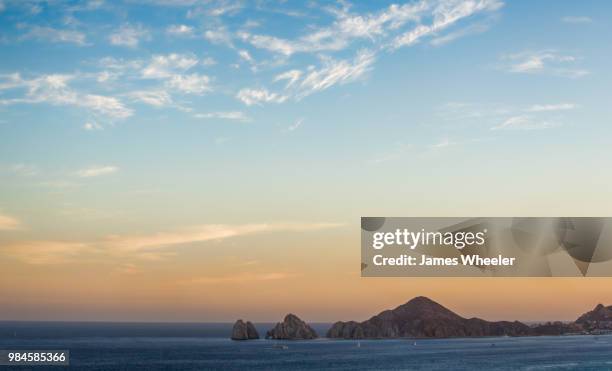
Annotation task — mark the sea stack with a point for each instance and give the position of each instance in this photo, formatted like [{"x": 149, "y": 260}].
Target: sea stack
[
  {"x": 244, "y": 331},
  {"x": 292, "y": 328}
]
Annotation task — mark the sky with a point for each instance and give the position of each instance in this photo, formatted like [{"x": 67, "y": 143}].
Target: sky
[{"x": 207, "y": 160}]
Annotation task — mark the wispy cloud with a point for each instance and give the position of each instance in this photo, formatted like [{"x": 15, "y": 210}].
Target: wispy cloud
[
  {"x": 120, "y": 65},
  {"x": 466, "y": 31},
  {"x": 208, "y": 9},
  {"x": 336, "y": 72},
  {"x": 129, "y": 35},
  {"x": 56, "y": 35},
  {"x": 208, "y": 61},
  {"x": 349, "y": 27},
  {"x": 227, "y": 115},
  {"x": 552, "y": 107},
  {"x": 190, "y": 84},
  {"x": 165, "y": 66},
  {"x": 45, "y": 252},
  {"x": 106, "y": 76},
  {"x": 8, "y": 223},
  {"x": 109, "y": 106},
  {"x": 224, "y": 7},
  {"x": 54, "y": 89},
  {"x": 525, "y": 122},
  {"x": 171, "y": 68},
  {"x": 155, "y": 98},
  {"x": 92, "y": 126},
  {"x": 219, "y": 36},
  {"x": 444, "y": 15},
  {"x": 290, "y": 76},
  {"x": 239, "y": 278},
  {"x": 296, "y": 125},
  {"x": 500, "y": 116},
  {"x": 95, "y": 171},
  {"x": 269, "y": 43},
  {"x": 87, "y": 6},
  {"x": 245, "y": 55},
  {"x": 258, "y": 96},
  {"x": 157, "y": 79},
  {"x": 208, "y": 232},
  {"x": 180, "y": 30},
  {"x": 155, "y": 246},
  {"x": 576, "y": 19},
  {"x": 545, "y": 61},
  {"x": 300, "y": 85},
  {"x": 389, "y": 29}
]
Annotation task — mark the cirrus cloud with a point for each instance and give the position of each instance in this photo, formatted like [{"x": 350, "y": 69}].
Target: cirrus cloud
[
  {"x": 153, "y": 246},
  {"x": 96, "y": 171}
]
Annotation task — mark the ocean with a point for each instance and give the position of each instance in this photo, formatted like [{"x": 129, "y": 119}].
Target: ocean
[{"x": 206, "y": 346}]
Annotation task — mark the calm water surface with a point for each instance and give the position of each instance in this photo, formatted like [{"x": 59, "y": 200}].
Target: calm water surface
[{"x": 137, "y": 346}]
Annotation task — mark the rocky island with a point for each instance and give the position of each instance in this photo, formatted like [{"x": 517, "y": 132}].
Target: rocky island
[
  {"x": 244, "y": 331},
  {"x": 292, "y": 328}
]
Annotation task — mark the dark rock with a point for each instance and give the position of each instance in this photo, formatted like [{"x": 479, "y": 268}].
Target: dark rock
[
  {"x": 244, "y": 331},
  {"x": 423, "y": 318},
  {"x": 599, "y": 318},
  {"x": 557, "y": 328},
  {"x": 600, "y": 313},
  {"x": 292, "y": 328}
]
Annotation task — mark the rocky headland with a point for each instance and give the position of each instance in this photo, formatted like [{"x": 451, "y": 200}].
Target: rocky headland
[
  {"x": 424, "y": 318},
  {"x": 599, "y": 319}
]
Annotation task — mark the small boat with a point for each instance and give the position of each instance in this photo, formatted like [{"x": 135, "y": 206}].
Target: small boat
[
  {"x": 359, "y": 344},
  {"x": 280, "y": 346},
  {"x": 414, "y": 344}
]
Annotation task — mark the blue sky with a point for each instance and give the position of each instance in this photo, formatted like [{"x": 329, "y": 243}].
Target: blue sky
[
  {"x": 192, "y": 99},
  {"x": 148, "y": 118}
]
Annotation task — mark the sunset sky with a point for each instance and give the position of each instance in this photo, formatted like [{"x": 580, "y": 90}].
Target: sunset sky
[{"x": 207, "y": 160}]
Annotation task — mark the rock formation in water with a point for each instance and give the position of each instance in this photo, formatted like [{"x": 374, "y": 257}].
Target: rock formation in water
[
  {"x": 423, "y": 318},
  {"x": 244, "y": 331},
  {"x": 292, "y": 328},
  {"x": 599, "y": 318}
]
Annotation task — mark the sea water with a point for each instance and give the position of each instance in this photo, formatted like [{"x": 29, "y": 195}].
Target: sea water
[{"x": 202, "y": 346}]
